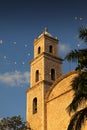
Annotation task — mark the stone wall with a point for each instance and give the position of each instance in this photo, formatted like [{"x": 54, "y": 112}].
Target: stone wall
[{"x": 59, "y": 97}]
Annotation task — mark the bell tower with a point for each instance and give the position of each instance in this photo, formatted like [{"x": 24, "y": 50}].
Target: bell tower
[{"x": 45, "y": 68}]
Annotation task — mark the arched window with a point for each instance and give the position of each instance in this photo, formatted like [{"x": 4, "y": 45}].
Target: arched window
[
  {"x": 34, "y": 105},
  {"x": 52, "y": 74},
  {"x": 50, "y": 49},
  {"x": 37, "y": 76},
  {"x": 39, "y": 50}
]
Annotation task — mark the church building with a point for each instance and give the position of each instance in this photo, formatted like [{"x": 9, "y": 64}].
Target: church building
[{"x": 50, "y": 91}]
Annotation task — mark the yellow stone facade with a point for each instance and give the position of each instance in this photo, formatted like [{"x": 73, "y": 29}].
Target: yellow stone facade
[{"x": 49, "y": 87}]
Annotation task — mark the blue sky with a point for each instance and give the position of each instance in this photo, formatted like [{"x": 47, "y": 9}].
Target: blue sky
[{"x": 21, "y": 21}]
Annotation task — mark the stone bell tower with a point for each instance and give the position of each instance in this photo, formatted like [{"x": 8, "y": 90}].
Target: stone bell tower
[{"x": 45, "y": 68}]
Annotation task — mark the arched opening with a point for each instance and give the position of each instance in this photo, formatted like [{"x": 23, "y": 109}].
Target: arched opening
[
  {"x": 51, "y": 49},
  {"x": 37, "y": 76},
  {"x": 34, "y": 105},
  {"x": 39, "y": 50},
  {"x": 52, "y": 74}
]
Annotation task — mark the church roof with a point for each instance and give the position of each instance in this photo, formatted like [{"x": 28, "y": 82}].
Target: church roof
[{"x": 45, "y": 32}]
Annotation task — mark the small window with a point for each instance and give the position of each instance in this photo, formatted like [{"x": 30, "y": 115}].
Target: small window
[
  {"x": 34, "y": 105},
  {"x": 50, "y": 49},
  {"x": 52, "y": 74},
  {"x": 39, "y": 50},
  {"x": 37, "y": 75}
]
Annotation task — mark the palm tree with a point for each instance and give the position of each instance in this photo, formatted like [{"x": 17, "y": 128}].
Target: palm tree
[{"x": 79, "y": 85}]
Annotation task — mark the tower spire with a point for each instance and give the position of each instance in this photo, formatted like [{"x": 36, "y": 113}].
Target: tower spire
[
  {"x": 46, "y": 32},
  {"x": 45, "y": 29}
]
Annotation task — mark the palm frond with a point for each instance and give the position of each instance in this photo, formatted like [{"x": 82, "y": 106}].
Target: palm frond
[
  {"x": 76, "y": 102},
  {"x": 73, "y": 122},
  {"x": 83, "y": 33},
  {"x": 79, "y": 83},
  {"x": 72, "y": 56},
  {"x": 79, "y": 56},
  {"x": 82, "y": 58},
  {"x": 78, "y": 119}
]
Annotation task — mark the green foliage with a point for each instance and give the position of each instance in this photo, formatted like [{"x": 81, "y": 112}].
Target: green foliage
[
  {"x": 79, "y": 56},
  {"x": 79, "y": 85},
  {"x": 72, "y": 56},
  {"x": 83, "y": 33},
  {"x": 13, "y": 123},
  {"x": 78, "y": 119},
  {"x": 78, "y": 99}
]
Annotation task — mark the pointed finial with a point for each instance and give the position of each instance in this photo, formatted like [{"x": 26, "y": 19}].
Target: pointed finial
[{"x": 45, "y": 29}]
